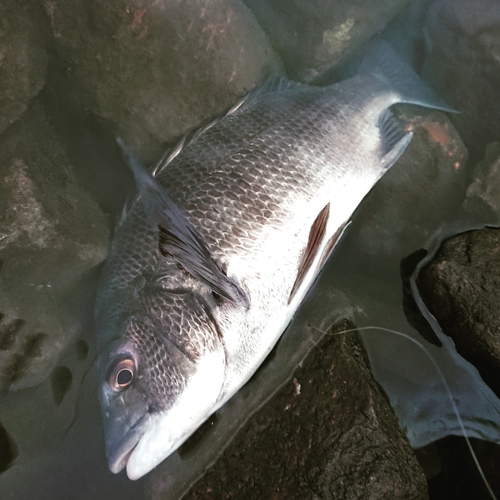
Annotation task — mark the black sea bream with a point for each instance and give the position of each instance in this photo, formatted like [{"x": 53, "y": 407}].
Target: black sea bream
[{"x": 213, "y": 258}]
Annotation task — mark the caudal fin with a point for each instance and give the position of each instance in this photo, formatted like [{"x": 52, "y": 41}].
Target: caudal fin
[{"x": 383, "y": 61}]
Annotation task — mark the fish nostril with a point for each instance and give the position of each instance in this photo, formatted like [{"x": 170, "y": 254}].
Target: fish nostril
[
  {"x": 8, "y": 450},
  {"x": 61, "y": 381}
]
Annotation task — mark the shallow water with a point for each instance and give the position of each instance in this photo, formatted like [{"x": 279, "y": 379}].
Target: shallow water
[{"x": 360, "y": 283}]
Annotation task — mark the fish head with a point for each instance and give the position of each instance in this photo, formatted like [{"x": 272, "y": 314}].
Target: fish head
[{"x": 161, "y": 378}]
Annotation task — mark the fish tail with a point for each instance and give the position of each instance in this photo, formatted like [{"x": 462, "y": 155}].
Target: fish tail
[{"x": 383, "y": 61}]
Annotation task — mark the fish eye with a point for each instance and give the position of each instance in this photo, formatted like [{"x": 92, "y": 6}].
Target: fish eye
[{"x": 121, "y": 374}]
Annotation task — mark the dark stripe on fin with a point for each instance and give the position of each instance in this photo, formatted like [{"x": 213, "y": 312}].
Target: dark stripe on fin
[
  {"x": 177, "y": 236},
  {"x": 316, "y": 237}
]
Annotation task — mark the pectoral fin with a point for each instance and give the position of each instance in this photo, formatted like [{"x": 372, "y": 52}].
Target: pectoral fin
[{"x": 178, "y": 237}]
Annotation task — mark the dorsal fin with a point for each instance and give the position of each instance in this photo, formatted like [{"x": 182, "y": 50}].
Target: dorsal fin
[
  {"x": 274, "y": 83},
  {"x": 178, "y": 237},
  {"x": 314, "y": 242}
]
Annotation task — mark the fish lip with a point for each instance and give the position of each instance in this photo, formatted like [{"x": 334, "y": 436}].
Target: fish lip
[{"x": 118, "y": 458}]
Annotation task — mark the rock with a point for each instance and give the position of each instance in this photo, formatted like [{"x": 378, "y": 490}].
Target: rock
[
  {"x": 482, "y": 194},
  {"x": 461, "y": 288},
  {"x": 8, "y": 449},
  {"x": 312, "y": 37},
  {"x": 153, "y": 70},
  {"x": 459, "y": 478},
  {"x": 23, "y": 59},
  {"x": 328, "y": 433},
  {"x": 52, "y": 234},
  {"x": 463, "y": 64},
  {"x": 431, "y": 175}
]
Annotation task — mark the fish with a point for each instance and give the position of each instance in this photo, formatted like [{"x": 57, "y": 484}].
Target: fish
[{"x": 226, "y": 235}]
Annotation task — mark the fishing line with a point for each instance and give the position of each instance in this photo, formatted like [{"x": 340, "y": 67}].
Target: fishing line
[{"x": 443, "y": 380}]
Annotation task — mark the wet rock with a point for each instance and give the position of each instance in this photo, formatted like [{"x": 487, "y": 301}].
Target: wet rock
[
  {"x": 431, "y": 175},
  {"x": 461, "y": 288},
  {"x": 459, "y": 477},
  {"x": 52, "y": 234},
  {"x": 153, "y": 70},
  {"x": 463, "y": 64},
  {"x": 328, "y": 433},
  {"x": 312, "y": 37},
  {"x": 23, "y": 59},
  {"x": 482, "y": 194}
]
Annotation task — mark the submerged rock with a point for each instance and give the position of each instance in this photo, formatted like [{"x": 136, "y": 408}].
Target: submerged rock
[
  {"x": 328, "y": 433},
  {"x": 431, "y": 175},
  {"x": 153, "y": 70},
  {"x": 52, "y": 234},
  {"x": 23, "y": 59},
  {"x": 312, "y": 37},
  {"x": 461, "y": 288},
  {"x": 463, "y": 64},
  {"x": 459, "y": 477},
  {"x": 482, "y": 193}
]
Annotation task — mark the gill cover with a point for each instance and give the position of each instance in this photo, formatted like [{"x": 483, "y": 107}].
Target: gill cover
[{"x": 161, "y": 381}]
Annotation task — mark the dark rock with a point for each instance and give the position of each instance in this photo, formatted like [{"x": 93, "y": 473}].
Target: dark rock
[
  {"x": 8, "y": 450},
  {"x": 463, "y": 64},
  {"x": 431, "y": 175},
  {"x": 329, "y": 433},
  {"x": 23, "y": 59},
  {"x": 51, "y": 235},
  {"x": 459, "y": 477},
  {"x": 314, "y": 36},
  {"x": 461, "y": 288},
  {"x": 153, "y": 70},
  {"x": 482, "y": 194}
]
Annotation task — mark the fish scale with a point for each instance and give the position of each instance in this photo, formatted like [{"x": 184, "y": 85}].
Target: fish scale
[{"x": 220, "y": 247}]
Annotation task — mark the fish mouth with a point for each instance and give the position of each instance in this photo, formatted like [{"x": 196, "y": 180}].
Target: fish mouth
[{"x": 118, "y": 458}]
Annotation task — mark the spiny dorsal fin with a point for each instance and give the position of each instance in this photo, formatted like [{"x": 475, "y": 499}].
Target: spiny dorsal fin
[
  {"x": 316, "y": 237},
  {"x": 177, "y": 236},
  {"x": 274, "y": 83}
]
